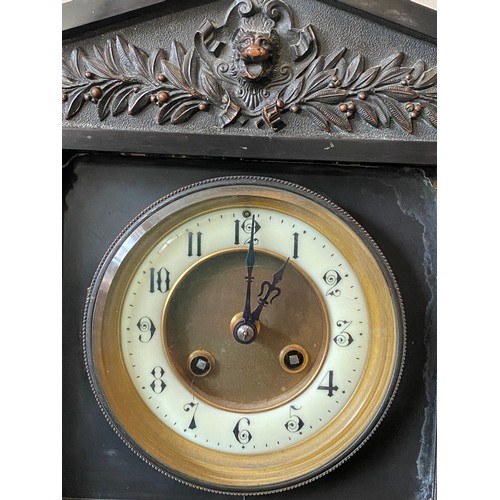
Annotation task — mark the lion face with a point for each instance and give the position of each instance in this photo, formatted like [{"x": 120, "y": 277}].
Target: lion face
[{"x": 255, "y": 54}]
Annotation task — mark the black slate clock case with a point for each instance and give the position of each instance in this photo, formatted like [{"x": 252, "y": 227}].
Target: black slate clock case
[{"x": 116, "y": 164}]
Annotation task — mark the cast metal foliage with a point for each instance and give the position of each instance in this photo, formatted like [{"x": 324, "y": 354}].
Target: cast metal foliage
[{"x": 265, "y": 69}]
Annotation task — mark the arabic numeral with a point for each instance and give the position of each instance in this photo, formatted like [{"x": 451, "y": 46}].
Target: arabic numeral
[
  {"x": 327, "y": 384},
  {"x": 198, "y": 244},
  {"x": 159, "y": 280},
  {"x": 295, "y": 245},
  {"x": 295, "y": 423},
  {"x": 332, "y": 279},
  {"x": 158, "y": 384},
  {"x": 344, "y": 338},
  {"x": 191, "y": 408},
  {"x": 237, "y": 232},
  {"x": 241, "y": 432},
  {"x": 147, "y": 329},
  {"x": 246, "y": 227}
]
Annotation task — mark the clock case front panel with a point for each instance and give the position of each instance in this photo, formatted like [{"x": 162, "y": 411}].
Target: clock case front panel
[
  {"x": 395, "y": 205},
  {"x": 116, "y": 165}
]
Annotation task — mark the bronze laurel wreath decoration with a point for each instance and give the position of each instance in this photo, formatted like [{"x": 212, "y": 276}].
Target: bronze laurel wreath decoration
[{"x": 267, "y": 68}]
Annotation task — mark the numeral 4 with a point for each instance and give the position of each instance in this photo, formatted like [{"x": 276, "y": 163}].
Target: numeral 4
[{"x": 327, "y": 384}]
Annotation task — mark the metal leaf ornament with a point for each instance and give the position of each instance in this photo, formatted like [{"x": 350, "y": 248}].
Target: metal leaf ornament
[{"x": 254, "y": 77}]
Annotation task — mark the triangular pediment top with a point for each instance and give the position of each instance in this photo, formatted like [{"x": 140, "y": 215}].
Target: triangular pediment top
[
  {"x": 258, "y": 67},
  {"x": 417, "y": 16}
]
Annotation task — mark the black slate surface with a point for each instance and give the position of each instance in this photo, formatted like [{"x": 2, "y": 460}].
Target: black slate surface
[{"x": 395, "y": 205}]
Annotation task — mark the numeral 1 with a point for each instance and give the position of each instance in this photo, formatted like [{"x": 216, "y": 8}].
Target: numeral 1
[{"x": 295, "y": 245}]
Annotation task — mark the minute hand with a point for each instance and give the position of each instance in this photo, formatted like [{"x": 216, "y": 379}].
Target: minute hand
[
  {"x": 273, "y": 291},
  {"x": 250, "y": 261}
]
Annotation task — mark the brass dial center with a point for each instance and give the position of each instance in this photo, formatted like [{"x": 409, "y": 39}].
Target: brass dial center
[{"x": 248, "y": 376}]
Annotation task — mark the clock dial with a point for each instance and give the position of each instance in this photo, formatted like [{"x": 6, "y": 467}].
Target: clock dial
[{"x": 244, "y": 335}]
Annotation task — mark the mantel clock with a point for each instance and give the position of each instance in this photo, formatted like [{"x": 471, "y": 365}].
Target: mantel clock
[{"x": 249, "y": 249}]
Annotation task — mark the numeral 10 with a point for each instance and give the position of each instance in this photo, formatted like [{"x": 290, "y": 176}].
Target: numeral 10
[{"x": 159, "y": 280}]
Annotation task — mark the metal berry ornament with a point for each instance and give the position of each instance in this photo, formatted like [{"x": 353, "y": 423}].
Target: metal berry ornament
[{"x": 253, "y": 68}]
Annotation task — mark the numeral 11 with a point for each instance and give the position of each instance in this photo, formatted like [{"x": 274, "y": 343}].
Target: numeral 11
[{"x": 198, "y": 244}]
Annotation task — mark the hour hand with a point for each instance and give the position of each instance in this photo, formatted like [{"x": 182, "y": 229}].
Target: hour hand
[{"x": 269, "y": 291}]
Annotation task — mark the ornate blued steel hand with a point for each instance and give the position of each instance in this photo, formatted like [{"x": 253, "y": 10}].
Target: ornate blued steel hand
[
  {"x": 272, "y": 292},
  {"x": 249, "y": 278},
  {"x": 245, "y": 331}
]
